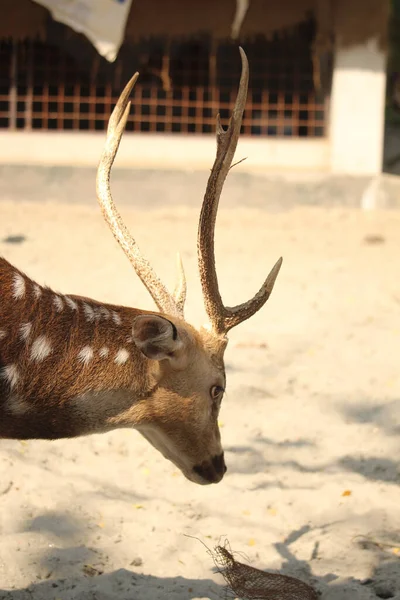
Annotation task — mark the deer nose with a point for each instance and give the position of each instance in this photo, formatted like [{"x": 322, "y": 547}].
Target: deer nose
[{"x": 213, "y": 470}]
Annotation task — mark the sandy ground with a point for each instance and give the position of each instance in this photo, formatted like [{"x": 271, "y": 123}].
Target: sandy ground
[{"x": 310, "y": 423}]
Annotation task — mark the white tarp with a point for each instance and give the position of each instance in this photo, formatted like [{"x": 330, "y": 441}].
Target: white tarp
[{"x": 101, "y": 21}]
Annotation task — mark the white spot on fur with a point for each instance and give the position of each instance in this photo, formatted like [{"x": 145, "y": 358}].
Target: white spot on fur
[
  {"x": 41, "y": 348},
  {"x": 89, "y": 312},
  {"x": 121, "y": 356},
  {"x": 71, "y": 303},
  {"x": 104, "y": 352},
  {"x": 17, "y": 406},
  {"x": 37, "y": 290},
  {"x": 58, "y": 303},
  {"x": 10, "y": 374},
  {"x": 25, "y": 331},
  {"x": 85, "y": 355},
  {"x": 19, "y": 286},
  {"x": 104, "y": 312},
  {"x": 2, "y": 334},
  {"x": 116, "y": 318}
]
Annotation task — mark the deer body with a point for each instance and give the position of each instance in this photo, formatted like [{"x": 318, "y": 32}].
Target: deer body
[{"x": 72, "y": 366}]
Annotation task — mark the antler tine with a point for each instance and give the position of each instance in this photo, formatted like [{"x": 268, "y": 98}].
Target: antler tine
[
  {"x": 223, "y": 318},
  {"x": 180, "y": 288},
  {"x": 163, "y": 299}
]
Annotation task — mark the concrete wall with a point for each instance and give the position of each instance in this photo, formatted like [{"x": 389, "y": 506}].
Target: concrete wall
[
  {"x": 160, "y": 151},
  {"x": 357, "y": 109}
]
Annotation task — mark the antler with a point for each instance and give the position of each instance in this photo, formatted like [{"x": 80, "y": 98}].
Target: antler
[
  {"x": 165, "y": 302},
  {"x": 222, "y": 317}
]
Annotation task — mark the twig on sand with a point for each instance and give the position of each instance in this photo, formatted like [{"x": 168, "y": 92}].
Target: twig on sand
[{"x": 8, "y": 487}]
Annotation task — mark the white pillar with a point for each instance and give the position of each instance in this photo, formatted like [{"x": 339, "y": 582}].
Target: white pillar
[{"x": 357, "y": 109}]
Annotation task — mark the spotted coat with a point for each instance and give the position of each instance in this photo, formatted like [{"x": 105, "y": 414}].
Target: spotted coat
[{"x": 54, "y": 348}]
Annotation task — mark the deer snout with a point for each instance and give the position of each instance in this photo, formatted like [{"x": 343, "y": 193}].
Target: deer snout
[{"x": 211, "y": 471}]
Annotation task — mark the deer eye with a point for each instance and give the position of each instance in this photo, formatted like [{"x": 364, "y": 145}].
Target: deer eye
[{"x": 216, "y": 392}]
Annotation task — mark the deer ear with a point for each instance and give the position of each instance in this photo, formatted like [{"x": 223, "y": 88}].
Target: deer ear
[{"x": 156, "y": 337}]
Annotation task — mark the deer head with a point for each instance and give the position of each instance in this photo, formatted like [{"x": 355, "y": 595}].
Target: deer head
[{"x": 179, "y": 416}]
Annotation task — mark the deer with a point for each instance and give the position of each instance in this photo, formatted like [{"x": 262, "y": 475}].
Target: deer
[{"x": 71, "y": 366}]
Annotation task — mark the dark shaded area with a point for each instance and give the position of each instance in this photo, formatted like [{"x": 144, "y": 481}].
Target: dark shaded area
[
  {"x": 383, "y": 583},
  {"x": 373, "y": 468},
  {"x": 129, "y": 585},
  {"x": 14, "y": 239},
  {"x": 250, "y": 460},
  {"x": 386, "y": 415},
  {"x": 122, "y": 584},
  {"x": 63, "y": 84},
  {"x": 59, "y": 524}
]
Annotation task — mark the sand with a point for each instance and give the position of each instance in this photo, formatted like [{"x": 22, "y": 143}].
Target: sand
[{"x": 310, "y": 422}]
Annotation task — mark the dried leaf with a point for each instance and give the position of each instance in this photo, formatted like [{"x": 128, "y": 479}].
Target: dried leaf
[
  {"x": 374, "y": 239},
  {"x": 91, "y": 571}
]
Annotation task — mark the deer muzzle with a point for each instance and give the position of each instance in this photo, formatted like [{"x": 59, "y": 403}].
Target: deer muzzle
[{"x": 211, "y": 471}]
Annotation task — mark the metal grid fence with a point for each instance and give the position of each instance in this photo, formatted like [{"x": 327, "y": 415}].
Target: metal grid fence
[{"x": 181, "y": 88}]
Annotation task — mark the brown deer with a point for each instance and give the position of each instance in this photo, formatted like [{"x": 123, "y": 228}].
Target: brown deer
[{"x": 72, "y": 366}]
